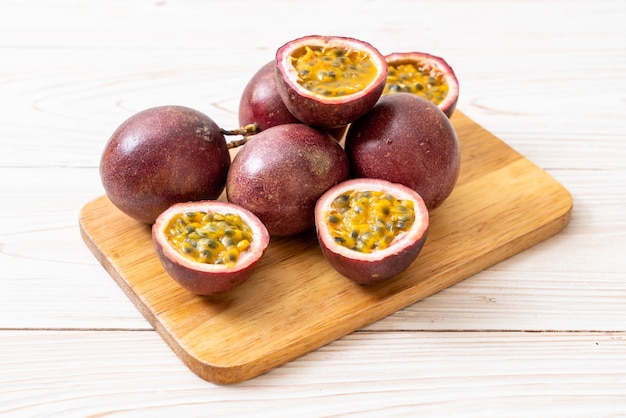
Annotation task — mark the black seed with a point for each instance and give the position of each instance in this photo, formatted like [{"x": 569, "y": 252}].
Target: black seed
[
  {"x": 333, "y": 219},
  {"x": 404, "y": 218}
]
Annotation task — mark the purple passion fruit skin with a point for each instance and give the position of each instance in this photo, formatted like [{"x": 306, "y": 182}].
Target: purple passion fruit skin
[
  {"x": 378, "y": 265},
  {"x": 406, "y": 139},
  {"x": 281, "y": 172},
  {"x": 423, "y": 74},
  {"x": 206, "y": 278},
  {"x": 161, "y": 156},
  {"x": 318, "y": 101},
  {"x": 260, "y": 103}
]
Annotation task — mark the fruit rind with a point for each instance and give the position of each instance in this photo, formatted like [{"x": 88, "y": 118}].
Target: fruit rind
[
  {"x": 406, "y": 139},
  {"x": 318, "y": 110},
  {"x": 377, "y": 266},
  {"x": 281, "y": 172},
  {"x": 163, "y": 155},
  {"x": 204, "y": 278},
  {"x": 260, "y": 104}
]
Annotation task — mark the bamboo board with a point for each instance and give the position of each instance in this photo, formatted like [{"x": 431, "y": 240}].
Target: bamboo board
[{"x": 295, "y": 302}]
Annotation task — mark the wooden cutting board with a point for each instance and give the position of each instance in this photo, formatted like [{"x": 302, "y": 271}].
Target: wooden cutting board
[{"x": 295, "y": 302}]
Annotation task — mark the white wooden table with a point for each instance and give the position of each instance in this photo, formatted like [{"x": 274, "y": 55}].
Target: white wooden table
[{"x": 540, "y": 334}]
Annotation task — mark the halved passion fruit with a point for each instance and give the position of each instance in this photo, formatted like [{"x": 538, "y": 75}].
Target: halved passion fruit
[
  {"x": 371, "y": 230},
  {"x": 209, "y": 247},
  {"x": 329, "y": 81},
  {"x": 423, "y": 74}
]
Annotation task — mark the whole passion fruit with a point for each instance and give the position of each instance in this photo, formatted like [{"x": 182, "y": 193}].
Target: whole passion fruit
[
  {"x": 260, "y": 104},
  {"x": 371, "y": 230},
  {"x": 161, "y": 156},
  {"x": 281, "y": 172},
  {"x": 423, "y": 74},
  {"x": 209, "y": 247},
  {"x": 329, "y": 81},
  {"x": 406, "y": 139}
]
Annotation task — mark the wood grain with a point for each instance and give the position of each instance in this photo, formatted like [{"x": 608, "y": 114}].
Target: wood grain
[
  {"x": 295, "y": 302},
  {"x": 479, "y": 374}
]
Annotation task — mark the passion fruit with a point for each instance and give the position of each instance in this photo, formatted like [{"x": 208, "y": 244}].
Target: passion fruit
[
  {"x": 406, "y": 139},
  {"x": 209, "y": 247},
  {"x": 260, "y": 104},
  {"x": 281, "y": 172},
  {"x": 371, "y": 230},
  {"x": 161, "y": 156},
  {"x": 329, "y": 81},
  {"x": 423, "y": 74}
]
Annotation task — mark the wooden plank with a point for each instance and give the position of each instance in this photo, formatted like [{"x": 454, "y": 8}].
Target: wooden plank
[
  {"x": 295, "y": 302},
  {"x": 431, "y": 374}
]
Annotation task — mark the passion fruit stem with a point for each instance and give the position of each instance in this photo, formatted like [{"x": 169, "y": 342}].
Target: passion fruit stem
[
  {"x": 237, "y": 143},
  {"x": 246, "y": 130}
]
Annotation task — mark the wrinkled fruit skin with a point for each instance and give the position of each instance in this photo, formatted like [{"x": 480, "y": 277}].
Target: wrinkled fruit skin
[
  {"x": 449, "y": 104},
  {"x": 316, "y": 110},
  {"x": 406, "y": 139},
  {"x": 161, "y": 156},
  {"x": 204, "y": 279},
  {"x": 281, "y": 172},
  {"x": 376, "y": 267},
  {"x": 260, "y": 103}
]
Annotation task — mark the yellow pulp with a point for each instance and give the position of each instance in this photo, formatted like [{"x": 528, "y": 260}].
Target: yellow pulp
[
  {"x": 367, "y": 221},
  {"x": 423, "y": 80},
  {"x": 334, "y": 72},
  {"x": 211, "y": 238}
]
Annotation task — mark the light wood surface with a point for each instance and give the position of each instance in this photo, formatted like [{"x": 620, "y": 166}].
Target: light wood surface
[{"x": 542, "y": 333}]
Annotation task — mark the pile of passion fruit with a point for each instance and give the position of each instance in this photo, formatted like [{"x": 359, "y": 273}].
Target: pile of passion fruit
[{"x": 335, "y": 138}]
